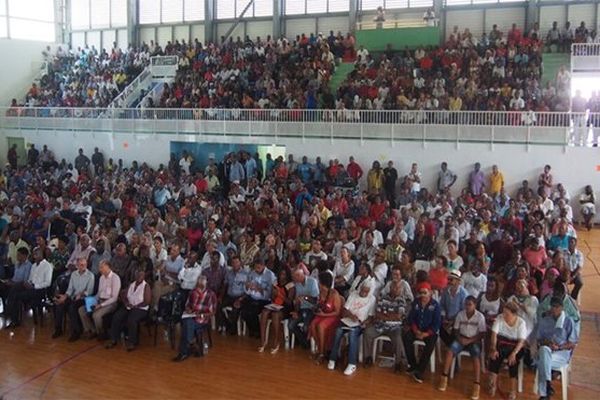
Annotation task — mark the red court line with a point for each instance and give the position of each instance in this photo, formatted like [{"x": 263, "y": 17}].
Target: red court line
[{"x": 44, "y": 372}]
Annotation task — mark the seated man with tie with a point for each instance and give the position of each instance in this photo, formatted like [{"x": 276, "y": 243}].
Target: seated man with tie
[
  {"x": 134, "y": 308},
  {"x": 199, "y": 309}
]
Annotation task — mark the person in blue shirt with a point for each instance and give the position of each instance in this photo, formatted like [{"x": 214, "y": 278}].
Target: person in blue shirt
[
  {"x": 161, "y": 196},
  {"x": 556, "y": 338},
  {"x": 270, "y": 165},
  {"x": 236, "y": 170},
  {"x": 451, "y": 303},
  {"x": 257, "y": 294},
  {"x": 319, "y": 172},
  {"x": 20, "y": 276},
  {"x": 303, "y": 196},
  {"x": 251, "y": 167},
  {"x": 423, "y": 323},
  {"x": 559, "y": 242},
  {"x": 305, "y": 170},
  {"x": 235, "y": 289},
  {"x": 306, "y": 294}
]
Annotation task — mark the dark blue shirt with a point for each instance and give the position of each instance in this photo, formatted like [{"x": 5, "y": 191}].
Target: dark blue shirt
[{"x": 426, "y": 318}]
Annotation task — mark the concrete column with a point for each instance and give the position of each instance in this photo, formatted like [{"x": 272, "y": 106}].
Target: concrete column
[
  {"x": 132, "y": 23},
  {"x": 278, "y": 18},
  {"x": 210, "y": 14},
  {"x": 62, "y": 21},
  {"x": 352, "y": 16},
  {"x": 531, "y": 16}
]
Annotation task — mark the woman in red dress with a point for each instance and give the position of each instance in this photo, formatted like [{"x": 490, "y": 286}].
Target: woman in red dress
[{"x": 327, "y": 317}]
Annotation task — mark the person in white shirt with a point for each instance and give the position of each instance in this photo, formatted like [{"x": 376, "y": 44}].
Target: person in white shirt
[
  {"x": 380, "y": 271},
  {"x": 33, "y": 289},
  {"x": 211, "y": 246},
  {"x": 188, "y": 275},
  {"x": 362, "y": 52},
  {"x": 343, "y": 271},
  {"x": 469, "y": 329},
  {"x": 357, "y": 309},
  {"x": 414, "y": 179},
  {"x": 474, "y": 281},
  {"x": 133, "y": 309}
]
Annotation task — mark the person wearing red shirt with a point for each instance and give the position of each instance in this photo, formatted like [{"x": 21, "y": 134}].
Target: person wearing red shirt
[
  {"x": 201, "y": 183},
  {"x": 354, "y": 170},
  {"x": 377, "y": 209},
  {"x": 515, "y": 35},
  {"x": 438, "y": 274}
]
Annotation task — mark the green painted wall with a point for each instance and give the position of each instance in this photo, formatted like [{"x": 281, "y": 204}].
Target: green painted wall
[{"x": 377, "y": 39}]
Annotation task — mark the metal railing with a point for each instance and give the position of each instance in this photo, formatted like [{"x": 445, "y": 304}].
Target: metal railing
[
  {"x": 129, "y": 89},
  {"x": 553, "y": 128}
]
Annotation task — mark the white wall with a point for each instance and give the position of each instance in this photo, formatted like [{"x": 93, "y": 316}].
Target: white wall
[
  {"x": 21, "y": 64},
  {"x": 574, "y": 167}
]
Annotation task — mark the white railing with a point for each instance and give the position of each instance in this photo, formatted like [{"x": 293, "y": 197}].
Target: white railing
[
  {"x": 368, "y": 24},
  {"x": 585, "y": 49},
  {"x": 120, "y": 100},
  {"x": 553, "y": 128}
]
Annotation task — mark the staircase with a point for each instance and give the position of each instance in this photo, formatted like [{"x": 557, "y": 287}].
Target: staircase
[
  {"x": 552, "y": 63},
  {"x": 339, "y": 75}
]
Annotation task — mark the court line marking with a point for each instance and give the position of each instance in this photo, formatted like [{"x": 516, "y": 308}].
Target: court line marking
[{"x": 50, "y": 369}]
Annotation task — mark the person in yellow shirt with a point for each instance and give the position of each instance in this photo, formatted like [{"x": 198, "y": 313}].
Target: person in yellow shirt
[
  {"x": 375, "y": 179},
  {"x": 324, "y": 213},
  {"x": 496, "y": 181}
]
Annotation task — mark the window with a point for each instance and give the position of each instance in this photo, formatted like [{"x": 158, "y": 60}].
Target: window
[
  {"x": 420, "y": 3},
  {"x": 80, "y": 14},
  {"x": 193, "y": 10},
  {"x": 2, "y": 27},
  {"x": 225, "y": 9},
  {"x": 370, "y": 4},
  {"x": 457, "y": 2},
  {"x": 396, "y": 4},
  {"x": 171, "y": 11},
  {"x": 240, "y": 5},
  {"x": 264, "y": 8},
  {"x": 118, "y": 12},
  {"x": 100, "y": 13},
  {"x": 149, "y": 11},
  {"x": 294, "y": 7},
  {"x": 39, "y": 10},
  {"x": 31, "y": 30},
  {"x": 316, "y": 6},
  {"x": 338, "y": 5}
]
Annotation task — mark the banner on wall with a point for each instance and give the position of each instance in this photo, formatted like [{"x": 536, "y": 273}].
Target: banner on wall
[{"x": 201, "y": 152}]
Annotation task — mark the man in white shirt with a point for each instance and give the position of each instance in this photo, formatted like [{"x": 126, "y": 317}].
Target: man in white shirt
[
  {"x": 469, "y": 328},
  {"x": 362, "y": 53},
  {"x": 33, "y": 289},
  {"x": 188, "y": 275},
  {"x": 357, "y": 309},
  {"x": 474, "y": 282}
]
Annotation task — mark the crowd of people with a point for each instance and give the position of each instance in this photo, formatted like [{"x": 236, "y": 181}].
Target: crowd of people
[
  {"x": 242, "y": 239},
  {"x": 497, "y": 72},
  {"x": 84, "y": 77}
]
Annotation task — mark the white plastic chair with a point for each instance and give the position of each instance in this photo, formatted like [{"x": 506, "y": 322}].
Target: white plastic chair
[
  {"x": 377, "y": 346},
  {"x": 420, "y": 343},
  {"x": 286, "y": 332},
  {"x": 564, "y": 380},
  {"x": 465, "y": 353}
]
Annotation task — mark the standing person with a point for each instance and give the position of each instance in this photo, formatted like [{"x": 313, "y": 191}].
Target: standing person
[
  {"x": 496, "y": 181},
  {"x": 81, "y": 285},
  {"x": 82, "y": 162},
  {"x": 423, "y": 322},
  {"x": 32, "y": 155},
  {"x": 106, "y": 302},
  {"x": 354, "y": 170},
  {"x": 134, "y": 308},
  {"x": 199, "y": 309},
  {"x": 446, "y": 178},
  {"x": 390, "y": 178},
  {"x": 97, "y": 161},
  {"x": 556, "y": 338},
  {"x": 476, "y": 180},
  {"x": 469, "y": 329},
  {"x": 545, "y": 181},
  {"x": 375, "y": 179},
  {"x": 13, "y": 156}
]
